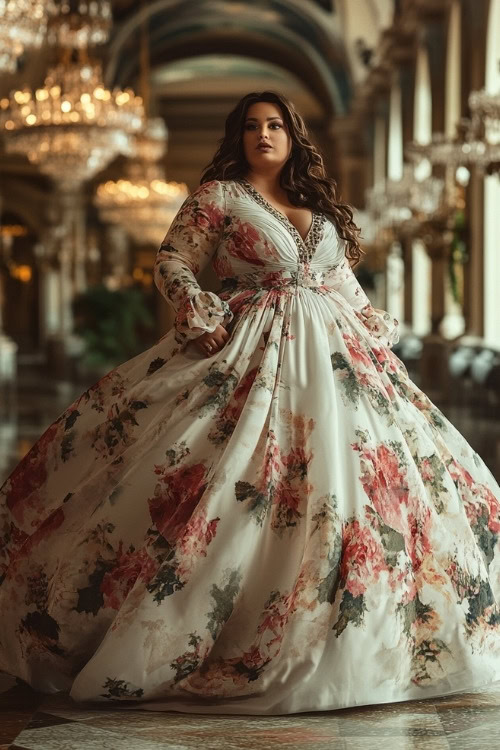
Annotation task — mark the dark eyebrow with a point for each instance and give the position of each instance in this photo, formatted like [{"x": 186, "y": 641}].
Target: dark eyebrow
[{"x": 254, "y": 119}]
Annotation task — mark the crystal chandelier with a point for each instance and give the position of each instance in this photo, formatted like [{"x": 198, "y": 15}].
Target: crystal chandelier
[
  {"x": 73, "y": 126},
  {"x": 79, "y": 24},
  {"x": 23, "y": 24},
  {"x": 394, "y": 203},
  {"x": 144, "y": 203},
  {"x": 485, "y": 116},
  {"x": 485, "y": 107},
  {"x": 466, "y": 149},
  {"x": 450, "y": 153}
]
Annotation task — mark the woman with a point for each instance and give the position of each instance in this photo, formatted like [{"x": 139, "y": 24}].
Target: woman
[{"x": 262, "y": 514}]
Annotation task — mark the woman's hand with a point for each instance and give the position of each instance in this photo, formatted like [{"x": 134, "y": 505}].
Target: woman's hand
[{"x": 210, "y": 343}]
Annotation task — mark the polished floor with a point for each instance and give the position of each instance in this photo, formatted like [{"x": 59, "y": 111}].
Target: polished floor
[{"x": 29, "y": 721}]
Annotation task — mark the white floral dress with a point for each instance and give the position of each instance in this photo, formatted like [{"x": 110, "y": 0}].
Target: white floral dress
[{"x": 289, "y": 525}]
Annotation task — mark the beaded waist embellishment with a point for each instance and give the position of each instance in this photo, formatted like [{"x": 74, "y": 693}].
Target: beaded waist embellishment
[{"x": 283, "y": 279}]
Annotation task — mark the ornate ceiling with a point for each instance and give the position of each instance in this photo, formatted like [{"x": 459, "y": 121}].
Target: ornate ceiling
[
  {"x": 318, "y": 45},
  {"x": 296, "y": 35},
  {"x": 205, "y": 54}
]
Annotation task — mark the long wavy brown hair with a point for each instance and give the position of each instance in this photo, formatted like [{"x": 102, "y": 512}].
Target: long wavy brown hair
[{"x": 303, "y": 176}]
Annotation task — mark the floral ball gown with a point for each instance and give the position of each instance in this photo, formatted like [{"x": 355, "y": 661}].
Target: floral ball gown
[{"x": 288, "y": 525}]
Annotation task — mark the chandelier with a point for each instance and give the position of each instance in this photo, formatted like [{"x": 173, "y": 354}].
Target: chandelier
[
  {"x": 143, "y": 202},
  {"x": 73, "y": 126},
  {"x": 470, "y": 147},
  {"x": 23, "y": 24},
  {"x": 394, "y": 203},
  {"x": 78, "y": 24},
  {"x": 485, "y": 116}
]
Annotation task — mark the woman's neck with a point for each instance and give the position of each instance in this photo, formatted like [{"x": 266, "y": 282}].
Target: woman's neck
[{"x": 267, "y": 184}]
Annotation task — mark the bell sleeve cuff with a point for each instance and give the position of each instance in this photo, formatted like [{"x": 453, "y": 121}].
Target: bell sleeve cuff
[
  {"x": 201, "y": 312},
  {"x": 380, "y": 324}
]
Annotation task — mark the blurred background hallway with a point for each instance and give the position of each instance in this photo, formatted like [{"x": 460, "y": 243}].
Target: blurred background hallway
[{"x": 109, "y": 111}]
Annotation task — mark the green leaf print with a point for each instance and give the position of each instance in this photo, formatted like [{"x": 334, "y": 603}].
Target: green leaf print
[
  {"x": 117, "y": 428},
  {"x": 432, "y": 472},
  {"x": 67, "y": 445},
  {"x": 354, "y": 388},
  {"x": 71, "y": 419},
  {"x": 251, "y": 673},
  {"x": 136, "y": 406},
  {"x": 349, "y": 379},
  {"x": 155, "y": 365},
  {"x": 479, "y": 601},
  {"x": 177, "y": 453},
  {"x": 223, "y": 385},
  {"x": 120, "y": 689},
  {"x": 397, "y": 447},
  {"x": 392, "y": 541},
  {"x": 44, "y": 627},
  {"x": 327, "y": 512},
  {"x": 476, "y": 592},
  {"x": 414, "y": 611},
  {"x": 37, "y": 586},
  {"x": 486, "y": 538},
  {"x": 222, "y": 430},
  {"x": 223, "y": 602},
  {"x": 352, "y": 609},
  {"x": 90, "y": 598},
  {"x": 166, "y": 582},
  {"x": 427, "y": 652},
  {"x": 259, "y": 502},
  {"x": 379, "y": 400},
  {"x": 187, "y": 662},
  {"x": 328, "y": 587}
]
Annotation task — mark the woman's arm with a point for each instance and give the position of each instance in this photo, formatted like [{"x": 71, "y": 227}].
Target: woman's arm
[
  {"x": 378, "y": 322},
  {"x": 188, "y": 246}
]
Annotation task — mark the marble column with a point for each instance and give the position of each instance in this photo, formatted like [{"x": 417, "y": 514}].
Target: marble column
[
  {"x": 474, "y": 34},
  {"x": 349, "y": 134},
  {"x": 434, "y": 370},
  {"x": 117, "y": 255},
  {"x": 407, "y": 252},
  {"x": 8, "y": 347},
  {"x": 421, "y": 284},
  {"x": 64, "y": 277}
]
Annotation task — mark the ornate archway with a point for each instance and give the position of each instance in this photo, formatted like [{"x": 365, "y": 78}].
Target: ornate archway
[{"x": 299, "y": 37}]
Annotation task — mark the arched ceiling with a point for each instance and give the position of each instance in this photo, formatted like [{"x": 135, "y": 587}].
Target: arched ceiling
[
  {"x": 360, "y": 22},
  {"x": 197, "y": 78},
  {"x": 318, "y": 42},
  {"x": 205, "y": 54},
  {"x": 296, "y": 35}
]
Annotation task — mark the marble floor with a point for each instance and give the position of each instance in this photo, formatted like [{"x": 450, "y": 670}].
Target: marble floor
[{"x": 29, "y": 721}]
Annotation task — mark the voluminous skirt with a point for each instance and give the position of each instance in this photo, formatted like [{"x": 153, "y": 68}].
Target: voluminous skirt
[{"x": 289, "y": 525}]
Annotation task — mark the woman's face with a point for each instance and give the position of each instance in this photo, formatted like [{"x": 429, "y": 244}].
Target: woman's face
[{"x": 264, "y": 125}]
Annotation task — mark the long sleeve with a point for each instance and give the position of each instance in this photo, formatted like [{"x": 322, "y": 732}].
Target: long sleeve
[
  {"x": 189, "y": 244},
  {"x": 378, "y": 322}
]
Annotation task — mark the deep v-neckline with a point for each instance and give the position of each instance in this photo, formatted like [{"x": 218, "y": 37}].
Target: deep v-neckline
[{"x": 306, "y": 246}]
